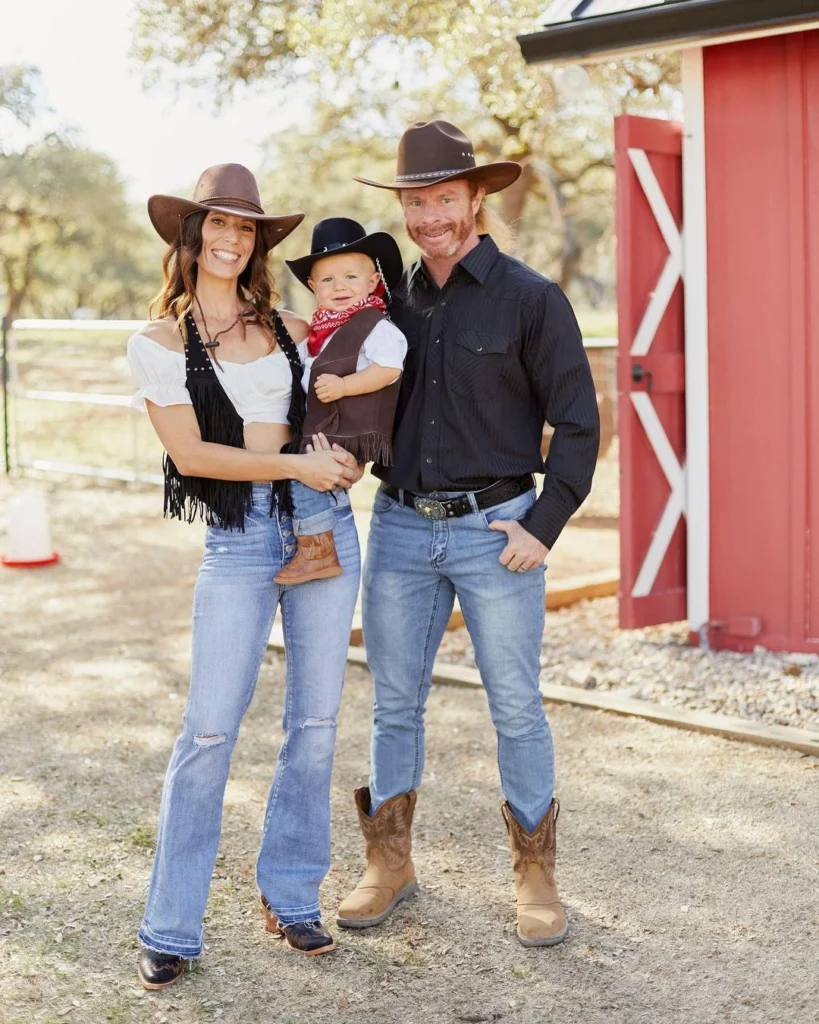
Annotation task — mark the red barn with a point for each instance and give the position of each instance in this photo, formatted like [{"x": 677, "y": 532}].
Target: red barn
[{"x": 718, "y": 303}]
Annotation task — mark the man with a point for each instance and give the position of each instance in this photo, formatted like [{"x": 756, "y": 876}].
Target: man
[{"x": 494, "y": 351}]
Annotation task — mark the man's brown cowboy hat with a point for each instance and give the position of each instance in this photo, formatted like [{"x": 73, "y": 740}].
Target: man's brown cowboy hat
[
  {"x": 228, "y": 188},
  {"x": 434, "y": 151}
]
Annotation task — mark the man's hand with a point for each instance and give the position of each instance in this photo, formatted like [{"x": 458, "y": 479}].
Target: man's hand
[
  {"x": 330, "y": 388},
  {"x": 324, "y": 471},
  {"x": 352, "y": 474},
  {"x": 522, "y": 551}
]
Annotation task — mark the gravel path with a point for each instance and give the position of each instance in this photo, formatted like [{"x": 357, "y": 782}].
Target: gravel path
[
  {"x": 688, "y": 863},
  {"x": 582, "y": 646}
]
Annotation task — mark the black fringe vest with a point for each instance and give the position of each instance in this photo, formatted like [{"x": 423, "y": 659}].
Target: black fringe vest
[{"x": 225, "y": 502}]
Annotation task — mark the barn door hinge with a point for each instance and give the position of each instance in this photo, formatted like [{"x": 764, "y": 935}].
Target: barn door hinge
[{"x": 737, "y": 625}]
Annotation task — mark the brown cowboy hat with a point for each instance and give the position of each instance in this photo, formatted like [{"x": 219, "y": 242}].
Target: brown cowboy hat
[
  {"x": 434, "y": 151},
  {"x": 229, "y": 188}
]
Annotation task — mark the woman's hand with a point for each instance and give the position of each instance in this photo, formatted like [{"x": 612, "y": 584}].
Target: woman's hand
[
  {"x": 325, "y": 470},
  {"x": 320, "y": 443}
]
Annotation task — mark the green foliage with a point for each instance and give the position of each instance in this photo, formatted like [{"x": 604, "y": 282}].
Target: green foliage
[
  {"x": 67, "y": 235},
  {"x": 371, "y": 68},
  {"x": 143, "y": 837},
  {"x": 19, "y": 85},
  {"x": 12, "y": 904}
]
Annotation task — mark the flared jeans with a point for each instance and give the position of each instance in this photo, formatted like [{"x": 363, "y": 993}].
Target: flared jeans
[{"x": 235, "y": 602}]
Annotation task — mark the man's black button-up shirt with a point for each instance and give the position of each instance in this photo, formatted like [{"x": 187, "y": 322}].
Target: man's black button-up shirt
[{"x": 493, "y": 355}]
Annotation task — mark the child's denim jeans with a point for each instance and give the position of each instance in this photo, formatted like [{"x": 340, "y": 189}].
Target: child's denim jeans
[{"x": 312, "y": 510}]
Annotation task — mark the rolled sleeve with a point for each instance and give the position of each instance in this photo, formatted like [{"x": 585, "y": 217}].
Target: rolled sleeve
[{"x": 385, "y": 345}]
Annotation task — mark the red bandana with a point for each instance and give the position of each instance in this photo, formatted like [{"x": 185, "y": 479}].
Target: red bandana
[{"x": 325, "y": 321}]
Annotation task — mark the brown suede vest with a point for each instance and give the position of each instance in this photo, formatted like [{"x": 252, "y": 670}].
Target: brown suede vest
[{"x": 362, "y": 424}]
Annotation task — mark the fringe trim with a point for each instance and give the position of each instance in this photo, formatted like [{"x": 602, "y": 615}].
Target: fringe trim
[
  {"x": 216, "y": 502},
  {"x": 371, "y": 447},
  {"x": 225, "y": 503}
]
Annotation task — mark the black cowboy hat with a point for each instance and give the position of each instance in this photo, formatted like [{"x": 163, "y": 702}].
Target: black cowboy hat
[
  {"x": 230, "y": 189},
  {"x": 434, "y": 151},
  {"x": 336, "y": 235}
]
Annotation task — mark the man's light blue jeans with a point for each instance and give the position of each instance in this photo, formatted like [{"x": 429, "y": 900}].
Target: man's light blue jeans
[
  {"x": 234, "y": 604},
  {"x": 414, "y": 569}
]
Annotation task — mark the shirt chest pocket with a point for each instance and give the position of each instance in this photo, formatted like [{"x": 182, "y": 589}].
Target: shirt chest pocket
[{"x": 475, "y": 363}]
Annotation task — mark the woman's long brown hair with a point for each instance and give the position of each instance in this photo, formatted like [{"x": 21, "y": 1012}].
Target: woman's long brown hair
[{"x": 254, "y": 286}]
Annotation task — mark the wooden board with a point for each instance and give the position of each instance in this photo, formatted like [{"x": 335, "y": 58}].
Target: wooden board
[
  {"x": 727, "y": 726},
  {"x": 558, "y": 595}
]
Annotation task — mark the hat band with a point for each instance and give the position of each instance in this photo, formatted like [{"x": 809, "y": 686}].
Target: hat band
[
  {"x": 431, "y": 174},
  {"x": 242, "y": 204}
]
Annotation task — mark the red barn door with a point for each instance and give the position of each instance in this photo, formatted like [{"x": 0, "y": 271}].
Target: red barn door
[
  {"x": 650, "y": 371},
  {"x": 762, "y": 165}
]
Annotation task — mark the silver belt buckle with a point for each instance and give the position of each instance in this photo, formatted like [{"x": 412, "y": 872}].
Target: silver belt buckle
[{"x": 430, "y": 508}]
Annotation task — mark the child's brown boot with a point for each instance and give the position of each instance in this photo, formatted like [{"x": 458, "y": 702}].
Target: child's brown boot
[{"x": 315, "y": 559}]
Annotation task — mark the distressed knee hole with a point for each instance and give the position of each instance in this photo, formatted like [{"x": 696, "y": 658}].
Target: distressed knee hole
[
  {"x": 318, "y": 722},
  {"x": 210, "y": 741}
]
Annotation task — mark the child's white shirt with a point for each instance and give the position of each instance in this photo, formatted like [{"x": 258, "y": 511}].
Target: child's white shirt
[{"x": 385, "y": 345}]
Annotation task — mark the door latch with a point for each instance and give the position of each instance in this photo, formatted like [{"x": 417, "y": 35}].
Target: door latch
[{"x": 639, "y": 373}]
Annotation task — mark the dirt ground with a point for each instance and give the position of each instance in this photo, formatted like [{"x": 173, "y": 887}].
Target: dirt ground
[{"x": 689, "y": 864}]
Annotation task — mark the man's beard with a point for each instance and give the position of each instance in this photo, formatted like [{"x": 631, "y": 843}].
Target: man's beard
[{"x": 461, "y": 230}]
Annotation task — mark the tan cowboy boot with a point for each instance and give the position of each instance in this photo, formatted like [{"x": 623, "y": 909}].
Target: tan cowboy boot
[
  {"x": 315, "y": 559},
  {"x": 541, "y": 919},
  {"x": 390, "y": 875}
]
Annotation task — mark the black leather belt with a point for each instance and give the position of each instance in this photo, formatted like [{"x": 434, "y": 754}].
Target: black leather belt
[{"x": 460, "y": 505}]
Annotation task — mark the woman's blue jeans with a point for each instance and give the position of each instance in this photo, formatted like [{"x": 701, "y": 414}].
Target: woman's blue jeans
[{"x": 234, "y": 605}]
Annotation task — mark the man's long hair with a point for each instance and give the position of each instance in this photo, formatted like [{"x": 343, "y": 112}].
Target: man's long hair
[
  {"x": 255, "y": 285},
  {"x": 487, "y": 222}
]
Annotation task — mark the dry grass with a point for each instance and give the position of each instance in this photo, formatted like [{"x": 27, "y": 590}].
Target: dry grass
[{"x": 688, "y": 863}]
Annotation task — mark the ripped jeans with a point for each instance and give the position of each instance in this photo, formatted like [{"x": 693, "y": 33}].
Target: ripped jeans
[{"x": 234, "y": 605}]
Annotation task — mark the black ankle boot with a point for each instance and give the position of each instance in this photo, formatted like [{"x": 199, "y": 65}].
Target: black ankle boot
[
  {"x": 159, "y": 970},
  {"x": 308, "y": 937}
]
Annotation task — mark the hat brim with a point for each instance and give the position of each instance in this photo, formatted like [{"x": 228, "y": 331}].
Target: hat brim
[
  {"x": 378, "y": 246},
  {"x": 168, "y": 212},
  {"x": 493, "y": 177}
]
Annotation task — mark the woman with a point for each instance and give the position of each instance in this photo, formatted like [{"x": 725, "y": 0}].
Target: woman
[{"x": 219, "y": 374}]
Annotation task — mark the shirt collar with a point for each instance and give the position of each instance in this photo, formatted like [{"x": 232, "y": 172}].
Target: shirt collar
[
  {"x": 477, "y": 263},
  {"x": 417, "y": 275}
]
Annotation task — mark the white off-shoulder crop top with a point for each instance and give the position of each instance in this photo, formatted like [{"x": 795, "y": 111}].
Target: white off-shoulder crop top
[{"x": 259, "y": 390}]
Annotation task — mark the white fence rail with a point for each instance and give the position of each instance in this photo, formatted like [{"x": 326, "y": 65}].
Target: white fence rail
[{"x": 14, "y": 392}]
